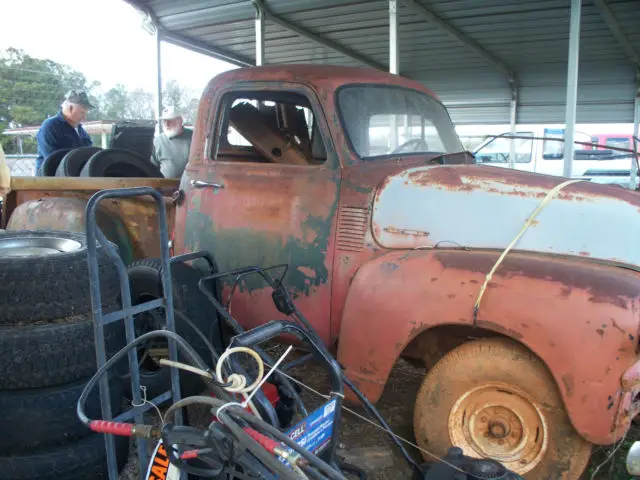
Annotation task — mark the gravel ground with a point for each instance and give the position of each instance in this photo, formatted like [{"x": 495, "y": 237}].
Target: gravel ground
[{"x": 371, "y": 449}]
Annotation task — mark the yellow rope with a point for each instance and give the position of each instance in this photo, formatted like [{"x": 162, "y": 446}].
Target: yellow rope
[{"x": 550, "y": 195}]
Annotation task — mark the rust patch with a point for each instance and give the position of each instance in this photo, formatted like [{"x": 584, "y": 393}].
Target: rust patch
[
  {"x": 308, "y": 272},
  {"x": 567, "y": 380},
  {"x": 406, "y": 231},
  {"x": 600, "y": 332},
  {"x": 496, "y": 327},
  {"x": 584, "y": 254},
  {"x": 388, "y": 267},
  {"x": 605, "y": 284},
  {"x": 615, "y": 325}
]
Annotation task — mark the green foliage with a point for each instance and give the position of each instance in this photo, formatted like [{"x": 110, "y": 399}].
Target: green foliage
[{"x": 32, "y": 90}]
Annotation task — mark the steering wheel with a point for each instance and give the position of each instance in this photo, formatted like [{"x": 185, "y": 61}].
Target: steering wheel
[{"x": 419, "y": 143}]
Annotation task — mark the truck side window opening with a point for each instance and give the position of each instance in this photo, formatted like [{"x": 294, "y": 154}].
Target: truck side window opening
[
  {"x": 269, "y": 127},
  {"x": 554, "y": 149},
  {"x": 499, "y": 149},
  {"x": 382, "y": 121}
]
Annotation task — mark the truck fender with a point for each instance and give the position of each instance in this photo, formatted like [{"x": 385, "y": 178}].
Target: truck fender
[
  {"x": 578, "y": 316},
  {"x": 68, "y": 214}
]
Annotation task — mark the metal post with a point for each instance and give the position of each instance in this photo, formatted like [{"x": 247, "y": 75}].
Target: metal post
[
  {"x": 20, "y": 147},
  {"x": 394, "y": 52},
  {"x": 159, "y": 78},
  {"x": 394, "y": 62},
  {"x": 259, "y": 33},
  {"x": 572, "y": 86},
  {"x": 103, "y": 139},
  {"x": 634, "y": 144},
  {"x": 513, "y": 110}
]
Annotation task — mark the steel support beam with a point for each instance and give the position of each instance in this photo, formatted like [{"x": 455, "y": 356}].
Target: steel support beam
[
  {"x": 325, "y": 42},
  {"x": 513, "y": 118},
  {"x": 185, "y": 42},
  {"x": 259, "y": 33},
  {"x": 614, "y": 26},
  {"x": 636, "y": 133},
  {"x": 468, "y": 41},
  {"x": 158, "y": 38},
  {"x": 394, "y": 41},
  {"x": 572, "y": 86}
]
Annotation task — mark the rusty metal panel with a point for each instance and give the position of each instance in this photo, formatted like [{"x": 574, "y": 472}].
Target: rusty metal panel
[{"x": 482, "y": 207}]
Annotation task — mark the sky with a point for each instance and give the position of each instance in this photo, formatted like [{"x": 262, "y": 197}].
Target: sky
[{"x": 103, "y": 39}]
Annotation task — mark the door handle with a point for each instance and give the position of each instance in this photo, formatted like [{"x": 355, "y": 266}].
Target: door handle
[{"x": 201, "y": 184}]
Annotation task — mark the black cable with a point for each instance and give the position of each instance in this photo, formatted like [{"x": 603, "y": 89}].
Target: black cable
[
  {"x": 203, "y": 337},
  {"x": 190, "y": 353}
]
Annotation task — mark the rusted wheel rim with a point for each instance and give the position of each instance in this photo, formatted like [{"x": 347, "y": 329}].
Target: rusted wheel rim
[{"x": 501, "y": 422}]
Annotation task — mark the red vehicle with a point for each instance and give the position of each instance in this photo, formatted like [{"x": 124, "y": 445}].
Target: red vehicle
[{"x": 356, "y": 179}]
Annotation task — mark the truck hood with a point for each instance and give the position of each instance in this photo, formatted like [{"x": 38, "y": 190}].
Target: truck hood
[{"x": 483, "y": 207}]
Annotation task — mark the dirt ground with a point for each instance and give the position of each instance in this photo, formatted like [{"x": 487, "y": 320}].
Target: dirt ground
[{"x": 371, "y": 449}]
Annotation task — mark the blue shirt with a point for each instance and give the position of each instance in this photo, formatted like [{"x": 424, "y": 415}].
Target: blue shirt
[{"x": 56, "y": 133}]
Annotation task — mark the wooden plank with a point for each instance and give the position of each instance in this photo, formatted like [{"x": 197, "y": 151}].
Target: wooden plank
[{"x": 90, "y": 184}]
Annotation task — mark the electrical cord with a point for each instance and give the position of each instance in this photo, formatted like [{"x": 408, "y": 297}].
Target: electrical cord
[{"x": 181, "y": 344}]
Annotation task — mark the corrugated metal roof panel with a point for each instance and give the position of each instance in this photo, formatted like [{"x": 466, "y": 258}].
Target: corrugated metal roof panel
[{"x": 531, "y": 37}]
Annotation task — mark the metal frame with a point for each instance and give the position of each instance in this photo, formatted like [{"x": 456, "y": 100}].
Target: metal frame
[
  {"x": 126, "y": 314},
  {"x": 259, "y": 33},
  {"x": 325, "y": 42},
  {"x": 572, "y": 86},
  {"x": 613, "y": 25}
]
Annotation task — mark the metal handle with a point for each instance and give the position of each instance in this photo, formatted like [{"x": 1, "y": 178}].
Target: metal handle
[{"x": 201, "y": 184}]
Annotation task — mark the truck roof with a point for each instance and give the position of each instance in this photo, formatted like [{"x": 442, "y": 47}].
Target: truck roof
[{"x": 322, "y": 77}]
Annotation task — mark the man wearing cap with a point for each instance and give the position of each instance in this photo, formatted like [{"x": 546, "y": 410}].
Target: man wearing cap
[
  {"x": 64, "y": 130},
  {"x": 171, "y": 148}
]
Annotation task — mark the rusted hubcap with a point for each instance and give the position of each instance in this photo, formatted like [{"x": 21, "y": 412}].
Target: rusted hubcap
[{"x": 501, "y": 422}]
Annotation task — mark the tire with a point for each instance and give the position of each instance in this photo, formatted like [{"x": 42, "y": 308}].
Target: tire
[
  {"x": 45, "y": 286},
  {"x": 72, "y": 163},
  {"x": 80, "y": 460},
  {"x": 525, "y": 425},
  {"x": 115, "y": 162},
  {"x": 67, "y": 349},
  {"x": 145, "y": 282},
  {"x": 44, "y": 417},
  {"x": 50, "y": 164}
]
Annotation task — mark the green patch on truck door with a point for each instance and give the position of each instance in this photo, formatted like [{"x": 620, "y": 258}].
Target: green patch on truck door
[{"x": 242, "y": 247}]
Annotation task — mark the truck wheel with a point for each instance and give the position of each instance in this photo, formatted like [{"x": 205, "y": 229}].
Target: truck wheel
[
  {"x": 80, "y": 460},
  {"x": 144, "y": 277},
  {"x": 66, "y": 348},
  {"x": 73, "y": 162},
  {"x": 51, "y": 163},
  {"x": 44, "y": 276},
  {"x": 495, "y": 399},
  {"x": 115, "y": 162},
  {"x": 42, "y": 417}
]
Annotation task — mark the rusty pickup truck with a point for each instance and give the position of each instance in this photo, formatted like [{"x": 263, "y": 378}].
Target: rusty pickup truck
[{"x": 357, "y": 179}]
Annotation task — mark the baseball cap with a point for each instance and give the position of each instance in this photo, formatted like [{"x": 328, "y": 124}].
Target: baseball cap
[
  {"x": 170, "y": 112},
  {"x": 78, "y": 97}
]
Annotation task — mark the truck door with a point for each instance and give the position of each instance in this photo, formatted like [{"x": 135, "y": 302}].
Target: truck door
[{"x": 271, "y": 152}]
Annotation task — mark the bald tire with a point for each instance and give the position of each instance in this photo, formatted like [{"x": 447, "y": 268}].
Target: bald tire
[{"x": 489, "y": 362}]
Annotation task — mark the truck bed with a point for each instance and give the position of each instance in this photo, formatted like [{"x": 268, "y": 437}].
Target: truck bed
[{"x": 58, "y": 203}]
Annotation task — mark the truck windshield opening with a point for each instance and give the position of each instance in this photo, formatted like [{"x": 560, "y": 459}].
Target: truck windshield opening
[{"x": 383, "y": 121}]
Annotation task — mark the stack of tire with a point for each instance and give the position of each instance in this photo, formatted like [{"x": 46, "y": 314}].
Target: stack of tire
[
  {"x": 47, "y": 355},
  {"x": 97, "y": 162}
]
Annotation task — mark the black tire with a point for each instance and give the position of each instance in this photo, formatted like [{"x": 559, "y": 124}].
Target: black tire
[
  {"x": 44, "y": 287},
  {"x": 78, "y": 460},
  {"x": 115, "y": 162},
  {"x": 44, "y": 417},
  {"x": 72, "y": 163},
  {"x": 145, "y": 282},
  {"x": 66, "y": 349},
  {"x": 51, "y": 162}
]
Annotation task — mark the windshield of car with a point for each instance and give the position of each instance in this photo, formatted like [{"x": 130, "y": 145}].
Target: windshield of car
[{"x": 382, "y": 121}]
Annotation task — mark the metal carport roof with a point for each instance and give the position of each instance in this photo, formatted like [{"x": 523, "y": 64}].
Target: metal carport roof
[{"x": 464, "y": 50}]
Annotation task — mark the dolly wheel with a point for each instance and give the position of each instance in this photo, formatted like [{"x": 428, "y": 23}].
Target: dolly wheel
[{"x": 495, "y": 399}]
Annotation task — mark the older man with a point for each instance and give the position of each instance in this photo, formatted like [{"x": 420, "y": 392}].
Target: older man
[
  {"x": 171, "y": 148},
  {"x": 64, "y": 130}
]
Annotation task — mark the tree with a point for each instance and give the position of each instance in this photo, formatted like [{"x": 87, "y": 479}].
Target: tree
[
  {"x": 31, "y": 90},
  {"x": 114, "y": 103},
  {"x": 140, "y": 105}
]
